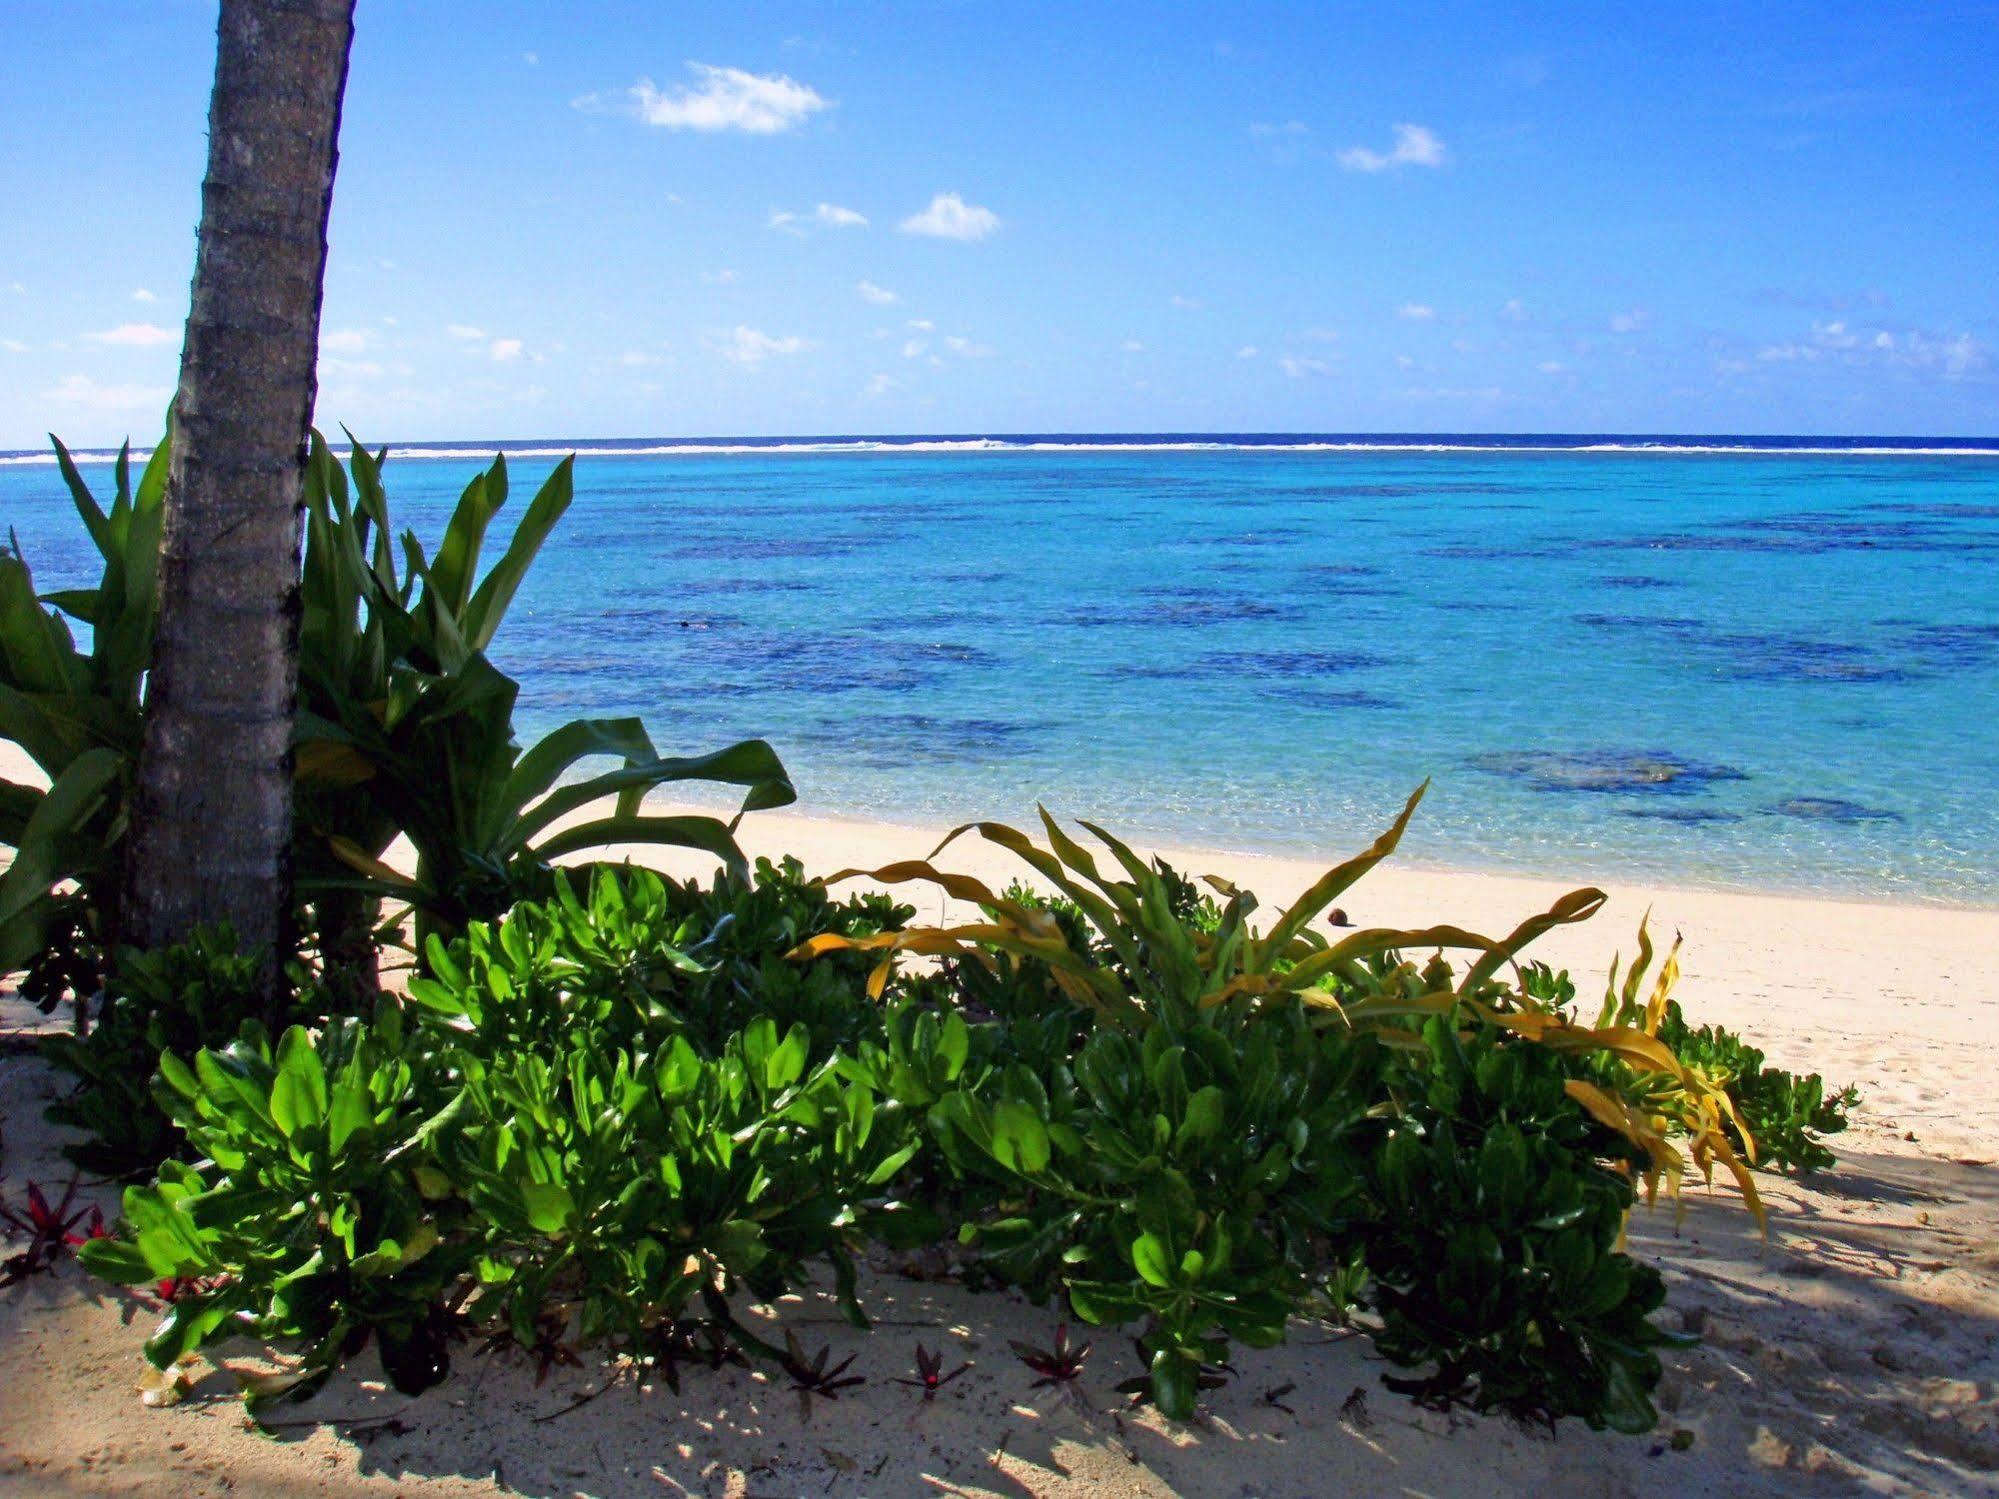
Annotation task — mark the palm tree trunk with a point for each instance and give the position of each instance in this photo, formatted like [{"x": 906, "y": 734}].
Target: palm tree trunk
[{"x": 211, "y": 822}]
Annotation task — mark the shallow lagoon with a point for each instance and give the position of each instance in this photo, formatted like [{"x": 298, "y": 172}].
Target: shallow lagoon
[{"x": 1767, "y": 670}]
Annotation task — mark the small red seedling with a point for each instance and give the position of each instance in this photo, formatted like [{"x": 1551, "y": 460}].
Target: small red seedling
[
  {"x": 50, "y": 1231},
  {"x": 930, "y": 1375},
  {"x": 1059, "y": 1365}
]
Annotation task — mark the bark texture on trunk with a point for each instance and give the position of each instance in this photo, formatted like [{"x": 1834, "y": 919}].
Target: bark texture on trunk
[{"x": 211, "y": 826}]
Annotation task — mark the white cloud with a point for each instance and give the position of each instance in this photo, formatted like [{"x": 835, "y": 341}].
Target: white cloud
[
  {"x": 13, "y": 345},
  {"x": 1417, "y": 312},
  {"x": 1298, "y": 368},
  {"x": 134, "y": 336},
  {"x": 1515, "y": 310},
  {"x": 1630, "y": 322},
  {"x": 719, "y": 99},
  {"x": 1264, "y": 130},
  {"x": 825, "y": 216},
  {"x": 914, "y": 348},
  {"x": 951, "y": 217},
  {"x": 353, "y": 369},
  {"x": 1415, "y": 146},
  {"x": 1552, "y": 367},
  {"x": 531, "y": 58},
  {"x": 343, "y": 341},
  {"x": 880, "y": 385},
  {"x": 142, "y": 295},
  {"x": 1132, "y": 346},
  {"x": 635, "y": 359},
  {"x": 881, "y": 296},
  {"x": 465, "y": 332},
  {"x": 922, "y": 324},
  {"x": 966, "y": 349},
  {"x": 1247, "y": 351},
  {"x": 81, "y": 390},
  {"x": 752, "y": 346},
  {"x": 1952, "y": 355},
  {"x": 721, "y": 278},
  {"x": 504, "y": 349},
  {"x": 1185, "y": 304}
]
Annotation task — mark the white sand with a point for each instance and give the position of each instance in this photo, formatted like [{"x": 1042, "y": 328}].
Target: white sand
[{"x": 1855, "y": 1352}]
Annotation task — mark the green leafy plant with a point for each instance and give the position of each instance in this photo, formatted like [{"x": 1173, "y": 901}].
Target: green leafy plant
[
  {"x": 176, "y": 1000},
  {"x": 406, "y": 726},
  {"x": 308, "y": 1218},
  {"x": 1785, "y": 1116},
  {"x": 76, "y": 713},
  {"x": 1494, "y": 1250},
  {"x": 1197, "y": 1160},
  {"x": 534, "y": 1144}
]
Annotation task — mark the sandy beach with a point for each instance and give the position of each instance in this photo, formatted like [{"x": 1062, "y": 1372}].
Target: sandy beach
[{"x": 1854, "y": 1351}]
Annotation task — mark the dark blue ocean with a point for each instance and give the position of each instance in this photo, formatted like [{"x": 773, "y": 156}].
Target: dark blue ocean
[{"x": 1751, "y": 662}]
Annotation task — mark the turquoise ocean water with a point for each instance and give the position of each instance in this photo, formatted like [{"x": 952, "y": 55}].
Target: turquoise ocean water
[{"x": 1755, "y": 664}]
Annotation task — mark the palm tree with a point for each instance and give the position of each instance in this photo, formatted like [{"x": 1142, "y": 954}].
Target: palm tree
[{"x": 211, "y": 819}]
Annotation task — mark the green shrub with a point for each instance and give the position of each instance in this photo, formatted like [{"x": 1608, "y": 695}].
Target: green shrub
[
  {"x": 553, "y": 1134},
  {"x": 76, "y": 714},
  {"x": 311, "y": 1217},
  {"x": 196, "y": 994},
  {"x": 1494, "y": 1251},
  {"x": 1221, "y": 1143},
  {"x": 1786, "y": 1116}
]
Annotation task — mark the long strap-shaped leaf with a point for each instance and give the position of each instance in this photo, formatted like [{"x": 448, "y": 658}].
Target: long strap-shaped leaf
[
  {"x": 752, "y": 764},
  {"x": 1330, "y": 885},
  {"x": 709, "y": 834},
  {"x": 496, "y": 592}
]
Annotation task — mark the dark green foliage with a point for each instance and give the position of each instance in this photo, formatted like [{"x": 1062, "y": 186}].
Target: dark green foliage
[
  {"x": 1787, "y": 1115},
  {"x": 1493, "y": 1248},
  {"x": 311, "y": 1218},
  {"x": 76, "y": 714},
  {"x": 1191, "y": 1180},
  {"x": 178, "y": 1000},
  {"x": 541, "y": 1138}
]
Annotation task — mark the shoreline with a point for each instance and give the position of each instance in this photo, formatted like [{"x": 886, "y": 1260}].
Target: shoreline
[
  {"x": 1853, "y": 1350},
  {"x": 1193, "y": 850}
]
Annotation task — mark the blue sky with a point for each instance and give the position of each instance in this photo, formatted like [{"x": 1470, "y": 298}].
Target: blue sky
[{"x": 606, "y": 220}]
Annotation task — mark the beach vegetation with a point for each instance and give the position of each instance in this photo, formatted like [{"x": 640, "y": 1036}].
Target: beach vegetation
[
  {"x": 405, "y": 728},
  {"x": 75, "y": 710},
  {"x": 614, "y": 1117}
]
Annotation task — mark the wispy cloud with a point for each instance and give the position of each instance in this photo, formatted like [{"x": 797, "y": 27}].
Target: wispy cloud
[
  {"x": 142, "y": 295},
  {"x": 880, "y": 385},
  {"x": 1247, "y": 351},
  {"x": 465, "y": 332},
  {"x": 1185, "y": 304},
  {"x": 1267, "y": 130},
  {"x": 1416, "y": 312},
  {"x": 965, "y": 348},
  {"x": 134, "y": 336},
  {"x": 1633, "y": 321},
  {"x": 1552, "y": 367},
  {"x": 718, "y": 99},
  {"x": 881, "y": 296},
  {"x": 1515, "y": 310},
  {"x": 13, "y": 345},
  {"x": 1952, "y": 355},
  {"x": 1132, "y": 346},
  {"x": 721, "y": 278},
  {"x": 343, "y": 341},
  {"x": 950, "y": 217},
  {"x": 825, "y": 216},
  {"x": 504, "y": 350},
  {"x": 84, "y": 392},
  {"x": 750, "y": 347},
  {"x": 1298, "y": 367},
  {"x": 1415, "y": 146}
]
